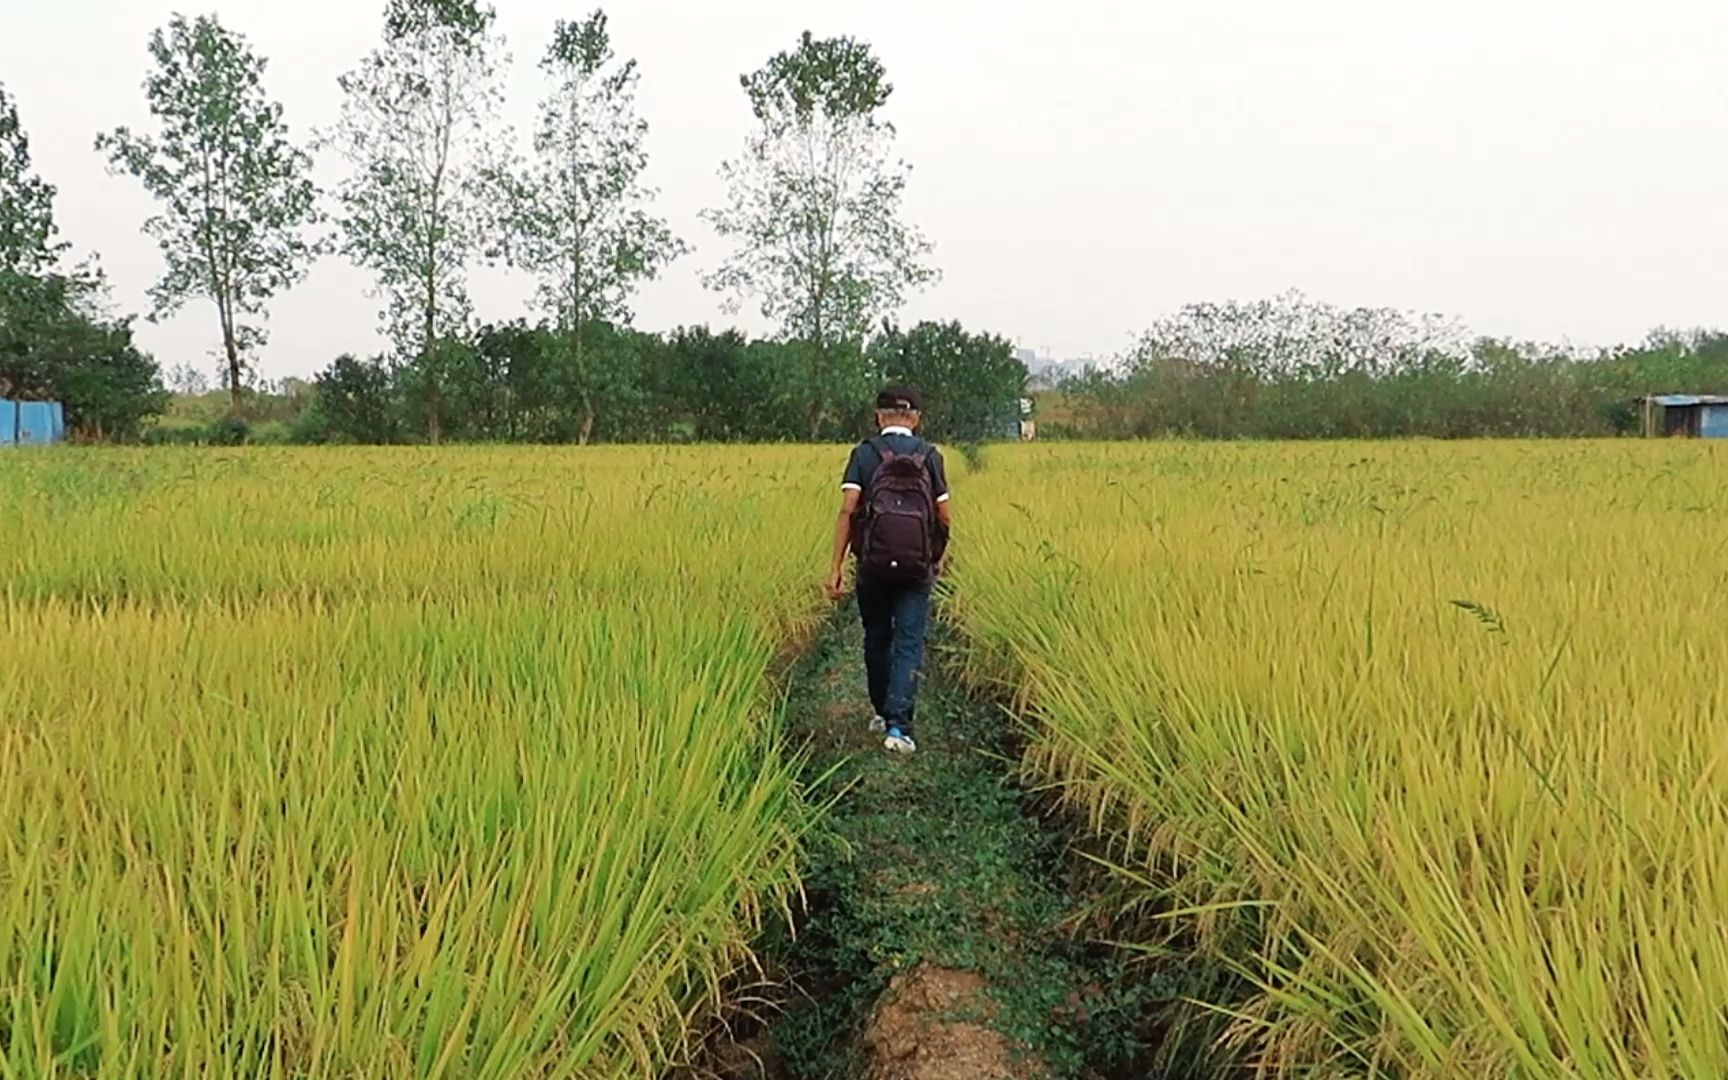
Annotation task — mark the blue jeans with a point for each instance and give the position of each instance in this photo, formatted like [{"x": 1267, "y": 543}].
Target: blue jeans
[{"x": 896, "y": 617}]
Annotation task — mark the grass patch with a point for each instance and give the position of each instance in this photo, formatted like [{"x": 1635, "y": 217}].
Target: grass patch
[{"x": 942, "y": 859}]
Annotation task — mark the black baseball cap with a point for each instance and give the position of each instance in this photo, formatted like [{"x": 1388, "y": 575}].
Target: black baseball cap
[{"x": 899, "y": 398}]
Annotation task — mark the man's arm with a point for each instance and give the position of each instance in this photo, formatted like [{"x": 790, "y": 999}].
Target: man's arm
[
  {"x": 851, "y": 493},
  {"x": 944, "y": 531},
  {"x": 944, "y": 507},
  {"x": 842, "y": 541}
]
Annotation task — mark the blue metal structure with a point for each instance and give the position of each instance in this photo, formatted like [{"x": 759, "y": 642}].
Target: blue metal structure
[
  {"x": 1713, "y": 422},
  {"x": 31, "y": 423}
]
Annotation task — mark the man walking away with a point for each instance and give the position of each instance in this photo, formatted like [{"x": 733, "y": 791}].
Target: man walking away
[{"x": 894, "y": 516}]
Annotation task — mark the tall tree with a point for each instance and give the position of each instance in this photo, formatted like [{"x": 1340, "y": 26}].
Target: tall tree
[
  {"x": 237, "y": 196},
  {"x": 578, "y": 214},
  {"x": 56, "y": 339},
  {"x": 418, "y": 119},
  {"x": 27, "y": 244},
  {"x": 814, "y": 202},
  {"x": 56, "y": 342},
  {"x": 32, "y": 307}
]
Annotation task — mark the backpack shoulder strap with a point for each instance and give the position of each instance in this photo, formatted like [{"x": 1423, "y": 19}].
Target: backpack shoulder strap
[{"x": 883, "y": 455}]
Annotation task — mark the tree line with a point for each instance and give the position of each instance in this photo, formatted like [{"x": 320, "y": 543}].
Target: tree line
[
  {"x": 517, "y": 382},
  {"x": 1292, "y": 368},
  {"x": 817, "y": 241},
  {"x": 435, "y": 184}
]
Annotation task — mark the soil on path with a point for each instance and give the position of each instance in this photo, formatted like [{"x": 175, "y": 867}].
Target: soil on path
[{"x": 942, "y": 934}]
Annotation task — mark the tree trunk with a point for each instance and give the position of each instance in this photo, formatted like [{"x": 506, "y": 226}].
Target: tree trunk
[
  {"x": 429, "y": 333},
  {"x": 434, "y": 426},
  {"x": 428, "y": 341},
  {"x": 232, "y": 349},
  {"x": 586, "y": 431},
  {"x": 818, "y": 385},
  {"x": 818, "y": 364}
]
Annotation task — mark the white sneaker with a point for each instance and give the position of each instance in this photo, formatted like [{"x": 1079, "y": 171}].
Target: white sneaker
[
  {"x": 898, "y": 743},
  {"x": 878, "y": 725}
]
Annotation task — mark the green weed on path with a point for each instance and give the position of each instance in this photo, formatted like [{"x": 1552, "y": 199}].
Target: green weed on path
[{"x": 937, "y": 862}]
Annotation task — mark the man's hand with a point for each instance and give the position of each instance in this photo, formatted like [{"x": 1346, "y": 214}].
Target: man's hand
[{"x": 836, "y": 580}]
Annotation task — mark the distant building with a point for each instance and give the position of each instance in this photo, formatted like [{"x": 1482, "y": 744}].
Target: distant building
[
  {"x": 1047, "y": 373},
  {"x": 1695, "y": 416},
  {"x": 31, "y": 423}
]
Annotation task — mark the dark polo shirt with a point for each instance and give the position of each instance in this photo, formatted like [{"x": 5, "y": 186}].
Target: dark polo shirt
[{"x": 865, "y": 461}]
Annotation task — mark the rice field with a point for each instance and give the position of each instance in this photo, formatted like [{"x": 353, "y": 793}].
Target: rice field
[
  {"x": 465, "y": 763},
  {"x": 390, "y": 763},
  {"x": 1429, "y": 741}
]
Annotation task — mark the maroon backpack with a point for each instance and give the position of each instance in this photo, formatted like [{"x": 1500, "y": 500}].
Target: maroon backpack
[{"x": 896, "y": 529}]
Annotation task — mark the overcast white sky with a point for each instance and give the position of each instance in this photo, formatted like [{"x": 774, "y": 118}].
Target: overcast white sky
[{"x": 1555, "y": 169}]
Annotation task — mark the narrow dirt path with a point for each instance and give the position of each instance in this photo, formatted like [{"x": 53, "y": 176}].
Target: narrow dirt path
[{"x": 942, "y": 936}]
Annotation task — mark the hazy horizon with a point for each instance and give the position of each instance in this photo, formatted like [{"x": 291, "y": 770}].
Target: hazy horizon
[{"x": 1539, "y": 170}]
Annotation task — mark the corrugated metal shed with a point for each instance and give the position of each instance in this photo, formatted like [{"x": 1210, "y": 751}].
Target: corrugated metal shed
[
  {"x": 31, "y": 423},
  {"x": 1695, "y": 416}
]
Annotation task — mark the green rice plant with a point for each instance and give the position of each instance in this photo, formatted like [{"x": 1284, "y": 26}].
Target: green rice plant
[
  {"x": 1485, "y": 838},
  {"x": 429, "y": 763}
]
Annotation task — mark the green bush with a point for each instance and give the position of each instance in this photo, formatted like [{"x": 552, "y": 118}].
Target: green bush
[
  {"x": 176, "y": 434},
  {"x": 231, "y": 431}
]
